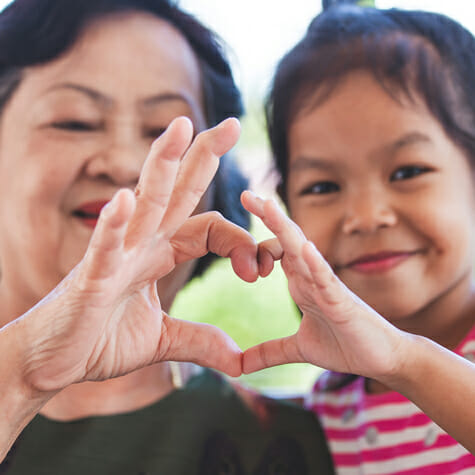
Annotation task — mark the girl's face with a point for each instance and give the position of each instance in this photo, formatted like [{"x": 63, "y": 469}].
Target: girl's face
[
  {"x": 75, "y": 131},
  {"x": 385, "y": 195}
]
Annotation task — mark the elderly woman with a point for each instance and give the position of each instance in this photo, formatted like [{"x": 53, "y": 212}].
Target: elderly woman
[{"x": 97, "y": 239}]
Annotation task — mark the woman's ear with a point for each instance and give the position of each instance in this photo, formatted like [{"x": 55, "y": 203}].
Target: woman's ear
[{"x": 280, "y": 189}]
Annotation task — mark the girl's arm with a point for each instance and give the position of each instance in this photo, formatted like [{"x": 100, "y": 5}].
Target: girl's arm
[
  {"x": 340, "y": 332},
  {"x": 441, "y": 383}
]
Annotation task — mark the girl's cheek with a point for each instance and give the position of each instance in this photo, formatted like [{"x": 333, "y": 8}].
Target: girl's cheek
[{"x": 317, "y": 226}]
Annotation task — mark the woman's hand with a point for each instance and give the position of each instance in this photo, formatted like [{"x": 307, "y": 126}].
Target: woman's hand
[
  {"x": 105, "y": 318},
  {"x": 338, "y": 330}
]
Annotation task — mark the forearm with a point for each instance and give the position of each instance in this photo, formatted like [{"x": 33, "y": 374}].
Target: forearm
[
  {"x": 18, "y": 402},
  {"x": 442, "y": 384}
]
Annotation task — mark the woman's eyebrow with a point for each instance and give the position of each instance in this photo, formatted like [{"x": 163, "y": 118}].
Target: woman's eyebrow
[
  {"x": 96, "y": 96},
  {"x": 106, "y": 100},
  {"x": 164, "y": 97}
]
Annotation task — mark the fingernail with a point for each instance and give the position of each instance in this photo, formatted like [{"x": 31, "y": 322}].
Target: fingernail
[
  {"x": 255, "y": 268},
  {"x": 232, "y": 119},
  {"x": 254, "y": 196},
  {"x": 108, "y": 208}
]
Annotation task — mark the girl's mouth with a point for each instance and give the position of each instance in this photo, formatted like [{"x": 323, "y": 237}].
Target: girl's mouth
[
  {"x": 379, "y": 262},
  {"x": 88, "y": 213}
]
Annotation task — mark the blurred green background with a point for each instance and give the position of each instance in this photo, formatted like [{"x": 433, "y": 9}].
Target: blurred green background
[{"x": 250, "y": 313}]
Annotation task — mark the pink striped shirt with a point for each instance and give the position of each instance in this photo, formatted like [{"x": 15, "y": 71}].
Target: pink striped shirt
[{"x": 386, "y": 433}]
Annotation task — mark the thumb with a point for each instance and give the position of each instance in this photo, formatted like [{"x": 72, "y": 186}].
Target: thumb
[
  {"x": 200, "y": 343},
  {"x": 271, "y": 353}
]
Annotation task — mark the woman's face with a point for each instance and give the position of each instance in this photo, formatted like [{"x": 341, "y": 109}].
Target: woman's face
[
  {"x": 385, "y": 195},
  {"x": 75, "y": 131}
]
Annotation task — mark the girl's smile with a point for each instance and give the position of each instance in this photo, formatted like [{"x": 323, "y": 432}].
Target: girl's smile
[{"x": 379, "y": 262}]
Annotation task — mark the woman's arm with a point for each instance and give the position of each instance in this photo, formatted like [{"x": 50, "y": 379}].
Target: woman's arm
[{"x": 340, "y": 332}]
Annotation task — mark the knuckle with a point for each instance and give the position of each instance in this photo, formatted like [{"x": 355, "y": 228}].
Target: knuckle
[
  {"x": 215, "y": 216},
  {"x": 202, "y": 141},
  {"x": 197, "y": 193},
  {"x": 156, "y": 144}
]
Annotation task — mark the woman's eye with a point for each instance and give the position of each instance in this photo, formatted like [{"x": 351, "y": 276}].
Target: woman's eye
[
  {"x": 407, "y": 172},
  {"x": 75, "y": 125},
  {"x": 321, "y": 188},
  {"x": 154, "y": 132}
]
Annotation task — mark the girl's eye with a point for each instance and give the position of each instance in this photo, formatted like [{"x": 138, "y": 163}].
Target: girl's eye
[
  {"x": 407, "y": 172},
  {"x": 321, "y": 188}
]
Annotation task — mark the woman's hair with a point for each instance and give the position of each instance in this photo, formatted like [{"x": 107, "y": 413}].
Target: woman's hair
[
  {"x": 412, "y": 54},
  {"x": 33, "y": 32}
]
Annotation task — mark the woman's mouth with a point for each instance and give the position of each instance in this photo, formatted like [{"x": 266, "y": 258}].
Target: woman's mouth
[
  {"x": 88, "y": 213},
  {"x": 379, "y": 262}
]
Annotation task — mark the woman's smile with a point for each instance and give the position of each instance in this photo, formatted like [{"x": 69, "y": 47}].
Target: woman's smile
[
  {"x": 102, "y": 112},
  {"x": 88, "y": 213}
]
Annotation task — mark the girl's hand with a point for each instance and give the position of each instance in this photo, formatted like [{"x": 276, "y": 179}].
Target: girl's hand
[
  {"x": 105, "y": 318},
  {"x": 338, "y": 330}
]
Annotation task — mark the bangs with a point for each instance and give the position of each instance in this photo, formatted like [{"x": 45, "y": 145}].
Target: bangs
[
  {"x": 421, "y": 57},
  {"x": 406, "y": 67}
]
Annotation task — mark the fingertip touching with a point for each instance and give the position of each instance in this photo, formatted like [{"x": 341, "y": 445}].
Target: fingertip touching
[
  {"x": 224, "y": 353},
  {"x": 250, "y": 362},
  {"x": 265, "y": 262},
  {"x": 244, "y": 262}
]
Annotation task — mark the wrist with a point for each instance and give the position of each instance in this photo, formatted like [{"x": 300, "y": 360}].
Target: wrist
[
  {"x": 408, "y": 362},
  {"x": 19, "y": 401}
]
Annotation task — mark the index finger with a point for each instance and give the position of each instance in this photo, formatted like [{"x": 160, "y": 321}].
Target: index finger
[
  {"x": 290, "y": 236},
  {"x": 210, "y": 232},
  {"x": 158, "y": 178},
  {"x": 197, "y": 170}
]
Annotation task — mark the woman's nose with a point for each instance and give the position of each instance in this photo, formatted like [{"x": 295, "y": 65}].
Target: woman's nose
[
  {"x": 368, "y": 212},
  {"x": 119, "y": 160}
]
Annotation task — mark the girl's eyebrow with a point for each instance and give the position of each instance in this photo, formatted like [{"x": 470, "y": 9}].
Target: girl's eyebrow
[
  {"x": 411, "y": 138},
  {"x": 406, "y": 140},
  {"x": 306, "y": 163}
]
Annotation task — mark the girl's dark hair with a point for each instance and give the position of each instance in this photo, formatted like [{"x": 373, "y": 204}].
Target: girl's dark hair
[
  {"x": 415, "y": 54},
  {"x": 37, "y": 31}
]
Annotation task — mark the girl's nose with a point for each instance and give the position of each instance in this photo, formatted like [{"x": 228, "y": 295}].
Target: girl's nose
[{"x": 367, "y": 213}]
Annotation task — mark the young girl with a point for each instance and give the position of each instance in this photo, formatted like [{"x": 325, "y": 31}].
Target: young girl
[
  {"x": 371, "y": 119},
  {"x": 85, "y": 380}
]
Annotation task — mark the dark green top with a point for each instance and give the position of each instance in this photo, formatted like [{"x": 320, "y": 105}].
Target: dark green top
[{"x": 203, "y": 428}]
